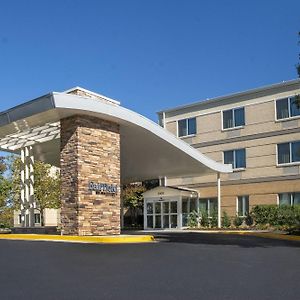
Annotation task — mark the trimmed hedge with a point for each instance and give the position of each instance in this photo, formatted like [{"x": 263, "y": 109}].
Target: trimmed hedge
[
  {"x": 285, "y": 217},
  {"x": 261, "y": 216}
]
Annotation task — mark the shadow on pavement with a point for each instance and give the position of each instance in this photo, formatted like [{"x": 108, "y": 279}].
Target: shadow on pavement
[{"x": 218, "y": 239}]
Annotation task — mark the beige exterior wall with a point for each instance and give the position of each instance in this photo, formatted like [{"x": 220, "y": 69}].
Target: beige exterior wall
[
  {"x": 51, "y": 217},
  {"x": 262, "y": 179}
]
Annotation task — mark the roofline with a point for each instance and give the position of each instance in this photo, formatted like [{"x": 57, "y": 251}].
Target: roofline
[
  {"x": 48, "y": 95},
  {"x": 237, "y": 94},
  {"x": 92, "y": 93},
  {"x": 63, "y": 101}
]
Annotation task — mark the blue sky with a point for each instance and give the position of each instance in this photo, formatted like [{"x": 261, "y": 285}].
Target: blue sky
[{"x": 149, "y": 55}]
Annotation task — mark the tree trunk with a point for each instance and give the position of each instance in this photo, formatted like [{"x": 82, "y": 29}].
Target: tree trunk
[
  {"x": 132, "y": 215},
  {"x": 42, "y": 217}
]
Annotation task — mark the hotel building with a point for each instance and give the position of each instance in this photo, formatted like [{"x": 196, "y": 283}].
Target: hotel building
[
  {"x": 257, "y": 132},
  {"x": 225, "y": 154}
]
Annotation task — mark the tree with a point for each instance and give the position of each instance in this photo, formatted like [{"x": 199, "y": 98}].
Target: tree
[
  {"x": 6, "y": 212},
  {"x": 132, "y": 196},
  {"x": 46, "y": 186},
  {"x": 5, "y": 185}
]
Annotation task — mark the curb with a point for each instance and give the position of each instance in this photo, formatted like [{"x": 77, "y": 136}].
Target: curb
[
  {"x": 275, "y": 236},
  {"x": 122, "y": 239},
  {"x": 262, "y": 234}
]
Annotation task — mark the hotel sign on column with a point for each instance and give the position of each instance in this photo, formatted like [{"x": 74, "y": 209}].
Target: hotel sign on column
[{"x": 103, "y": 188}]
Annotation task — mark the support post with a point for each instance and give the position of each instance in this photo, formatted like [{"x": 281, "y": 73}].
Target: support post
[
  {"x": 32, "y": 205},
  {"x": 22, "y": 167},
  {"x": 163, "y": 181},
  {"x": 121, "y": 209},
  {"x": 27, "y": 192},
  {"x": 219, "y": 199}
]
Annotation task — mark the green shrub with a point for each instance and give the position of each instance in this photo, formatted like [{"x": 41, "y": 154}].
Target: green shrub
[
  {"x": 225, "y": 220},
  {"x": 214, "y": 218},
  {"x": 204, "y": 220},
  {"x": 264, "y": 214},
  {"x": 282, "y": 217},
  {"x": 238, "y": 221},
  {"x": 288, "y": 216},
  {"x": 193, "y": 219},
  {"x": 248, "y": 219}
]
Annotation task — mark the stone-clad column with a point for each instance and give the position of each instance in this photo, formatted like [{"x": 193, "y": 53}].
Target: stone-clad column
[{"x": 90, "y": 152}]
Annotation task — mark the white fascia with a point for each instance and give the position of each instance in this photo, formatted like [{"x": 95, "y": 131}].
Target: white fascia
[{"x": 120, "y": 114}]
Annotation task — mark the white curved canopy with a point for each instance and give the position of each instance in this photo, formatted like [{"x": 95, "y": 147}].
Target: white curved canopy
[{"x": 147, "y": 150}]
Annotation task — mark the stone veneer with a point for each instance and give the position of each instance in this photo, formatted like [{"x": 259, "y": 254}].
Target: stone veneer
[{"x": 90, "y": 151}]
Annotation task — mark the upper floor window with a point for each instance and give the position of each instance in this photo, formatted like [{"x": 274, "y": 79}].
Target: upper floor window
[
  {"x": 235, "y": 157},
  {"x": 186, "y": 127},
  {"x": 287, "y": 108},
  {"x": 288, "y": 153},
  {"x": 289, "y": 199},
  {"x": 233, "y": 118},
  {"x": 242, "y": 206}
]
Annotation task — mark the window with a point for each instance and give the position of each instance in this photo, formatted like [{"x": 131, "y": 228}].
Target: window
[
  {"x": 242, "y": 206},
  {"x": 188, "y": 205},
  {"x": 20, "y": 219},
  {"x": 288, "y": 153},
  {"x": 287, "y": 108},
  {"x": 209, "y": 205},
  {"x": 186, "y": 127},
  {"x": 150, "y": 214},
  {"x": 233, "y": 118},
  {"x": 235, "y": 157},
  {"x": 37, "y": 218},
  {"x": 289, "y": 199}
]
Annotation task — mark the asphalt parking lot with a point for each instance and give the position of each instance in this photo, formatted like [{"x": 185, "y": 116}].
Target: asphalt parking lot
[{"x": 178, "y": 266}]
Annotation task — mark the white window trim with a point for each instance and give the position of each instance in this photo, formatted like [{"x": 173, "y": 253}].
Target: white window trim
[
  {"x": 208, "y": 201},
  {"x": 292, "y": 195},
  {"x": 291, "y": 198},
  {"x": 289, "y": 110},
  {"x": 161, "y": 215},
  {"x": 291, "y": 163},
  {"x": 243, "y": 204},
  {"x": 187, "y": 127},
  {"x": 233, "y": 115}
]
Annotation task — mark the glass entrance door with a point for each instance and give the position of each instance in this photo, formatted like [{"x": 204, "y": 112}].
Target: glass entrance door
[
  {"x": 169, "y": 214},
  {"x": 162, "y": 214}
]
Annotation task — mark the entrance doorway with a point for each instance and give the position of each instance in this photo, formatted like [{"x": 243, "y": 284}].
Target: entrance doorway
[
  {"x": 162, "y": 214},
  {"x": 168, "y": 207}
]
